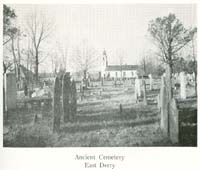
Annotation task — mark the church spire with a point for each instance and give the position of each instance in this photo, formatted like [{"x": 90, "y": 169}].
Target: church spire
[{"x": 104, "y": 54}]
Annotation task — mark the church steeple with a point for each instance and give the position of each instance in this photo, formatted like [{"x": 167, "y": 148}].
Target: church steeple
[{"x": 105, "y": 60}]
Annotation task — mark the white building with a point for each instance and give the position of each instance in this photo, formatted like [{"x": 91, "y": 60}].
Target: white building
[
  {"x": 117, "y": 71},
  {"x": 123, "y": 71}
]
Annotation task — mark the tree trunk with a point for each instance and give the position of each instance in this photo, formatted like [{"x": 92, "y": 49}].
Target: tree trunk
[
  {"x": 36, "y": 68},
  {"x": 170, "y": 92},
  {"x": 14, "y": 56},
  {"x": 169, "y": 81}
]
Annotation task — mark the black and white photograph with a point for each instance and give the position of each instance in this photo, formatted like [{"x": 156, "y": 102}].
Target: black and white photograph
[{"x": 99, "y": 75}]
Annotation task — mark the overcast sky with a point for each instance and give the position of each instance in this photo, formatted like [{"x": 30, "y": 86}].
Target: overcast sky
[{"x": 112, "y": 27}]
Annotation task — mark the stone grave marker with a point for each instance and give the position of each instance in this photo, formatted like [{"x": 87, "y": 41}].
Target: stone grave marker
[
  {"x": 182, "y": 85},
  {"x": 66, "y": 92},
  {"x": 10, "y": 91},
  {"x": 173, "y": 122},
  {"x": 150, "y": 82},
  {"x": 144, "y": 92},
  {"x": 74, "y": 102},
  {"x": 164, "y": 107},
  {"x": 137, "y": 88},
  {"x": 56, "y": 105}
]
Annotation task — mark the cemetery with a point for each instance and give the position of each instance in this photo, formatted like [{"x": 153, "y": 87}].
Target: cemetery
[
  {"x": 71, "y": 84},
  {"x": 129, "y": 114}
]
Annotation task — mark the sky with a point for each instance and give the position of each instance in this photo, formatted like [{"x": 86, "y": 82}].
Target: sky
[{"x": 114, "y": 28}]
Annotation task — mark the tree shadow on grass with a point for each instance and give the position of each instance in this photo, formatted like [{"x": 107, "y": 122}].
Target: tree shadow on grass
[{"x": 93, "y": 126}]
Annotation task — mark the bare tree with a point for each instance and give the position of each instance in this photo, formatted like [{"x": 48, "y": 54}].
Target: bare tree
[
  {"x": 62, "y": 52},
  {"x": 84, "y": 57},
  {"x": 39, "y": 29},
  {"x": 54, "y": 62}
]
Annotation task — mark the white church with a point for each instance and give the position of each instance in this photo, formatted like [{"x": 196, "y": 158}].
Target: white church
[{"x": 117, "y": 71}]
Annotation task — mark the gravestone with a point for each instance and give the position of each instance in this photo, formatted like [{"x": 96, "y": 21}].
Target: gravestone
[
  {"x": 182, "y": 85},
  {"x": 173, "y": 122},
  {"x": 10, "y": 91},
  {"x": 102, "y": 81},
  {"x": 56, "y": 105},
  {"x": 115, "y": 81},
  {"x": 120, "y": 109},
  {"x": 144, "y": 92},
  {"x": 158, "y": 101},
  {"x": 137, "y": 88},
  {"x": 66, "y": 96},
  {"x": 74, "y": 102},
  {"x": 164, "y": 106},
  {"x": 150, "y": 82}
]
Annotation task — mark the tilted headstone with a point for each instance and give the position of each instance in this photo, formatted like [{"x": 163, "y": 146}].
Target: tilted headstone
[
  {"x": 183, "y": 85},
  {"x": 56, "y": 105},
  {"x": 66, "y": 96},
  {"x": 164, "y": 106},
  {"x": 10, "y": 91}
]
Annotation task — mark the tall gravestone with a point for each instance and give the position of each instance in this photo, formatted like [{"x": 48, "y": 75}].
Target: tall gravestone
[
  {"x": 66, "y": 96},
  {"x": 182, "y": 85},
  {"x": 56, "y": 105},
  {"x": 164, "y": 106},
  {"x": 173, "y": 122},
  {"x": 10, "y": 91}
]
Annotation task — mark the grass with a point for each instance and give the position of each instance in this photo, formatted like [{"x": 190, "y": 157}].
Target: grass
[{"x": 98, "y": 123}]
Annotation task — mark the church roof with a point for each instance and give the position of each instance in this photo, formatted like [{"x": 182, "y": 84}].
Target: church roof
[{"x": 122, "y": 67}]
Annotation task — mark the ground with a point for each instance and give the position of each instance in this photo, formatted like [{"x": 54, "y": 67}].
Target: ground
[{"x": 98, "y": 122}]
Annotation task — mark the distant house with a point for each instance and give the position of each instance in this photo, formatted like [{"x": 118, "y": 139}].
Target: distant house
[
  {"x": 118, "y": 71},
  {"x": 47, "y": 76}
]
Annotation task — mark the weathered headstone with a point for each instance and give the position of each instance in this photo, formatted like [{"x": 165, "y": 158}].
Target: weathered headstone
[
  {"x": 115, "y": 81},
  {"x": 74, "y": 102},
  {"x": 164, "y": 106},
  {"x": 137, "y": 89},
  {"x": 102, "y": 81},
  {"x": 158, "y": 101},
  {"x": 144, "y": 92},
  {"x": 56, "y": 105},
  {"x": 150, "y": 82},
  {"x": 183, "y": 85},
  {"x": 66, "y": 95},
  {"x": 173, "y": 122},
  {"x": 10, "y": 91},
  {"x": 120, "y": 109}
]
